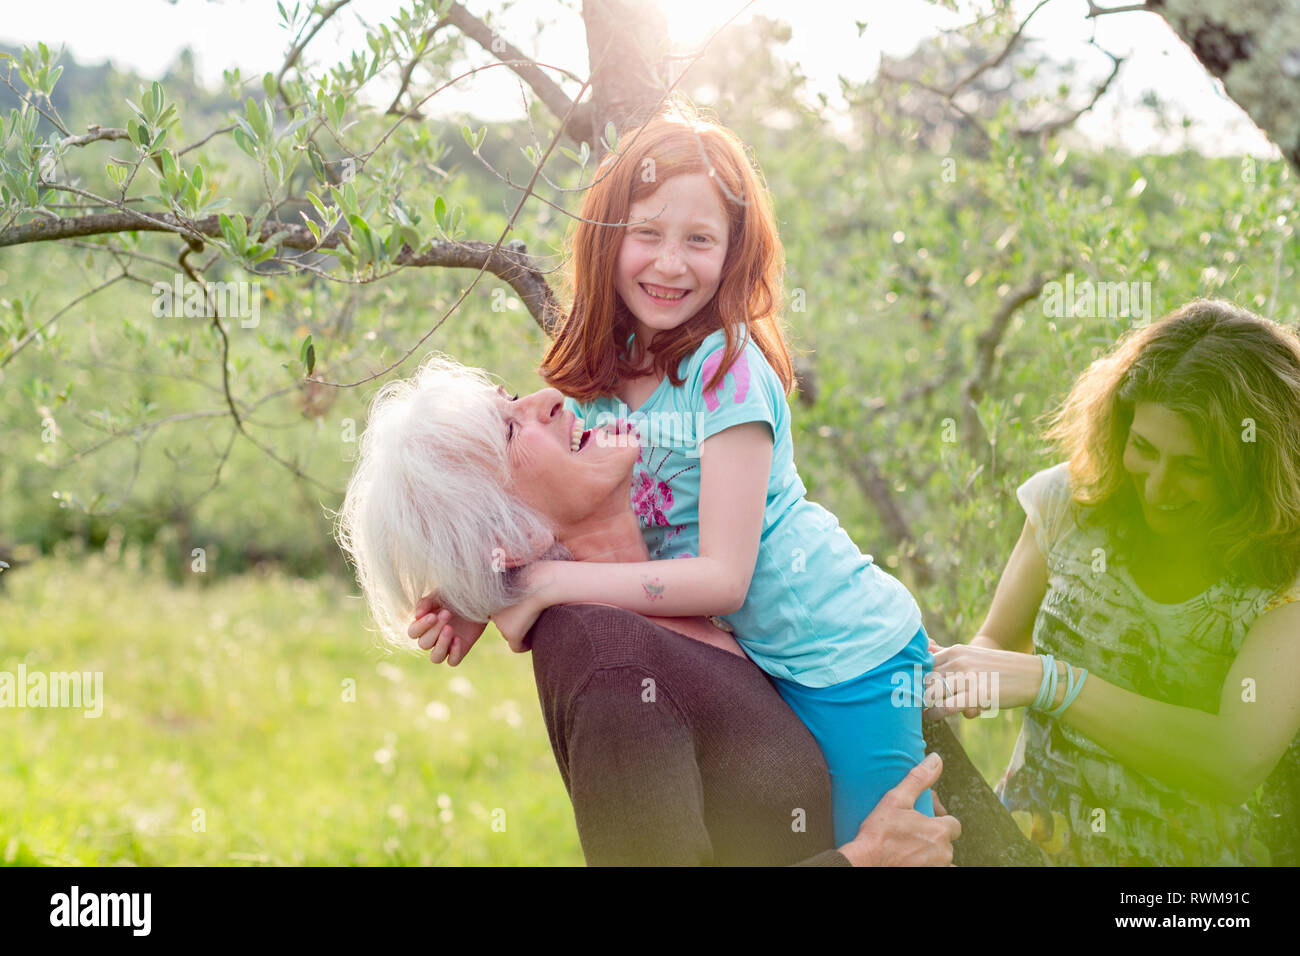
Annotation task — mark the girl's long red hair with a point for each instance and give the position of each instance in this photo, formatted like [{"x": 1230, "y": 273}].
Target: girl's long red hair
[{"x": 589, "y": 355}]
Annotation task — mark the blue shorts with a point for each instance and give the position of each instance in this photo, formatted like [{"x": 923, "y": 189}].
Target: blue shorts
[{"x": 869, "y": 730}]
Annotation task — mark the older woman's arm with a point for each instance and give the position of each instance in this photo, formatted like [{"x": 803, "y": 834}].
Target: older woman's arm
[{"x": 1224, "y": 755}]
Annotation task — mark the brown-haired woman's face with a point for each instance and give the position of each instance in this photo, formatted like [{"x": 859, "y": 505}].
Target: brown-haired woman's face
[
  {"x": 1170, "y": 471},
  {"x": 670, "y": 265}
]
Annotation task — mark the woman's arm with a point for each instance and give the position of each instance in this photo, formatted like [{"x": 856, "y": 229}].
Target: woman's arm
[
  {"x": 1225, "y": 756},
  {"x": 734, "y": 468},
  {"x": 1010, "y": 622}
]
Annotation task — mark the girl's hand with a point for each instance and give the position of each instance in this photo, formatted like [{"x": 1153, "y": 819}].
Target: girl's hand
[
  {"x": 446, "y": 636},
  {"x": 974, "y": 679},
  {"x": 516, "y": 621}
]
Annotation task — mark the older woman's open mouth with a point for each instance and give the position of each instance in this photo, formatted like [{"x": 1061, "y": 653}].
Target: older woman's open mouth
[{"x": 619, "y": 432}]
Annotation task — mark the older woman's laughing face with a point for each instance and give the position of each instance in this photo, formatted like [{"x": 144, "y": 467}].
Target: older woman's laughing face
[{"x": 560, "y": 468}]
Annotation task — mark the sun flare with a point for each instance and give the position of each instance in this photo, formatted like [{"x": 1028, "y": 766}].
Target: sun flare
[{"x": 691, "y": 22}]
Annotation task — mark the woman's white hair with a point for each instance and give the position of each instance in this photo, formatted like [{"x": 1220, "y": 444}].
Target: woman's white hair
[{"x": 428, "y": 507}]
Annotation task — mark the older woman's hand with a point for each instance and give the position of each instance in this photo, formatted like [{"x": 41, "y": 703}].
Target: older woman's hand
[
  {"x": 446, "y": 636},
  {"x": 895, "y": 834}
]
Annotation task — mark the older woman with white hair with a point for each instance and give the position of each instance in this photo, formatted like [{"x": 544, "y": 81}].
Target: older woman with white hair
[{"x": 674, "y": 747}]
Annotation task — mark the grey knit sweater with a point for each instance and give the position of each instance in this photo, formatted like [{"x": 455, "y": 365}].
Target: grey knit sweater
[{"x": 675, "y": 752}]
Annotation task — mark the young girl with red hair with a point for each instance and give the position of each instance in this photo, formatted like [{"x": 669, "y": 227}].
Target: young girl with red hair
[{"x": 673, "y": 327}]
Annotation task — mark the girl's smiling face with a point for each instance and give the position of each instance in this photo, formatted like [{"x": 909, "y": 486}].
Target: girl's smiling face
[
  {"x": 670, "y": 264},
  {"x": 1171, "y": 474}
]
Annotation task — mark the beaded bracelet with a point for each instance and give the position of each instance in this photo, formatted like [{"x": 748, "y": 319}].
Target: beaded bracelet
[
  {"x": 1047, "y": 689},
  {"x": 1071, "y": 689}
]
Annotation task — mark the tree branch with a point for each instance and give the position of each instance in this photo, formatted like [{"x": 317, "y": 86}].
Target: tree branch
[
  {"x": 511, "y": 263},
  {"x": 975, "y": 386},
  {"x": 1057, "y": 125},
  {"x": 990, "y": 836},
  {"x": 942, "y": 94},
  {"x": 872, "y": 482},
  {"x": 23, "y": 342},
  {"x": 225, "y": 383},
  {"x": 547, "y": 90},
  {"x": 997, "y": 61},
  {"x": 1252, "y": 50},
  {"x": 409, "y": 70},
  {"x": 296, "y": 51},
  {"x": 1096, "y": 11},
  {"x": 96, "y": 133}
]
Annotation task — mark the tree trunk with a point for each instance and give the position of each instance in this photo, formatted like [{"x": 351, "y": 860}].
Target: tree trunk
[
  {"x": 627, "y": 42},
  {"x": 1253, "y": 46},
  {"x": 989, "y": 837}
]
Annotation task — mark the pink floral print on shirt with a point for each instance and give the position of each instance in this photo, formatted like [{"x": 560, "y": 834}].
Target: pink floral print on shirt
[{"x": 651, "y": 500}]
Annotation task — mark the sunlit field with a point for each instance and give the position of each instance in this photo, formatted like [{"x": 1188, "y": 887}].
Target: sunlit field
[{"x": 256, "y": 721}]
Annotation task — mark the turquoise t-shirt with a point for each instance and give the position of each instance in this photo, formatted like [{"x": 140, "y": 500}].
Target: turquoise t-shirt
[{"x": 818, "y": 612}]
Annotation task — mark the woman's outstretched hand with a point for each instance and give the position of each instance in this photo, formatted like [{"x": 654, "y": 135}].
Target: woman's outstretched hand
[
  {"x": 969, "y": 680},
  {"x": 446, "y": 636},
  {"x": 934, "y": 689}
]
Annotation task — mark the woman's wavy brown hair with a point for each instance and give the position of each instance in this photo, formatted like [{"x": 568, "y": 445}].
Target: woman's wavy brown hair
[
  {"x": 589, "y": 355},
  {"x": 1222, "y": 368}
]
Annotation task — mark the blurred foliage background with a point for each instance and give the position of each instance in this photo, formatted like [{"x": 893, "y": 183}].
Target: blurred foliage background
[{"x": 907, "y": 228}]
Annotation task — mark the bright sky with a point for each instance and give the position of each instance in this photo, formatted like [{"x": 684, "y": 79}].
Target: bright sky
[{"x": 146, "y": 35}]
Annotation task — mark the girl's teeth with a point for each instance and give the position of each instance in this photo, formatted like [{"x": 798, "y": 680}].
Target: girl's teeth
[
  {"x": 575, "y": 437},
  {"x": 664, "y": 295}
]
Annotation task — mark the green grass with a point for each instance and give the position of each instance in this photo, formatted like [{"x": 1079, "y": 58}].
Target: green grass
[
  {"x": 226, "y": 705},
  {"x": 230, "y": 700}
]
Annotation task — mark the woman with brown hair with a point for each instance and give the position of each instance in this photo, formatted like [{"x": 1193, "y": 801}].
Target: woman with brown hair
[{"x": 1149, "y": 616}]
